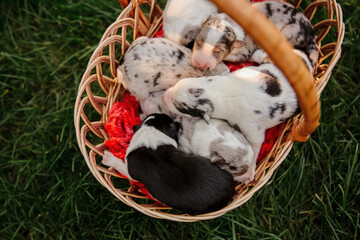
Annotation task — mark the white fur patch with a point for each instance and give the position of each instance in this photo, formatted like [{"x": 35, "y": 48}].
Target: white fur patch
[{"x": 149, "y": 137}]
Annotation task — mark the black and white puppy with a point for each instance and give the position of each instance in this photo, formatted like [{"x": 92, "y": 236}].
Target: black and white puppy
[
  {"x": 221, "y": 38},
  {"x": 185, "y": 182},
  {"x": 251, "y": 99}
]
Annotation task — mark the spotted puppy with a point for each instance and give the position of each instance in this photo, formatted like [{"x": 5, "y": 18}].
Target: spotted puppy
[
  {"x": 218, "y": 141},
  {"x": 185, "y": 182},
  {"x": 251, "y": 99},
  {"x": 221, "y": 38},
  {"x": 182, "y": 19},
  {"x": 152, "y": 65}
]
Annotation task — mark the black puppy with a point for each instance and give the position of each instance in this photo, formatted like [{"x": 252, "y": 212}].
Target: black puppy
[{"x": 185, "y": 182}]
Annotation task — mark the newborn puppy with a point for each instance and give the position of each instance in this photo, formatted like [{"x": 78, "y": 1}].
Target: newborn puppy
[
  {"x": 152, "y": 65},
  {"x": 251, "y": 99},
  {"x": 185, "y": 182},
  {"x": 221, "y": 38},
  {"x": 182, "y": 19},
  {"x": 218, "y": 141}
]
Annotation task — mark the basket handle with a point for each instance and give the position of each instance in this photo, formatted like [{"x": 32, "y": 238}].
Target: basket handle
[{"x": 279, "y": 49}]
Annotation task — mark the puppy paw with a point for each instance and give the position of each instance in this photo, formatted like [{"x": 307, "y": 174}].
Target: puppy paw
[
  {"x": 108, "y": 159},
  {"x": 247, "y": 177}
]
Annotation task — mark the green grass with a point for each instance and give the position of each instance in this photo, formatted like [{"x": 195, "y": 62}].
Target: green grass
[{"x": 48, "y": 192}]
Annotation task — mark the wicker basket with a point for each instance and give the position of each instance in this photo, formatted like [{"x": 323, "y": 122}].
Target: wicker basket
[{"x": 99, "y": 89}]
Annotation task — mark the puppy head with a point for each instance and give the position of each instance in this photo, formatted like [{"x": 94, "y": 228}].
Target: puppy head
[
  {"x": 162, "y": 123},
  {"x": 215, "y": 40},
  {"x": 188, "y": 97}
]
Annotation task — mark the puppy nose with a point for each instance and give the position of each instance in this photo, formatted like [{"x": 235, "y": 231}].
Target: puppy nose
[{"x": 200, "y": 64}]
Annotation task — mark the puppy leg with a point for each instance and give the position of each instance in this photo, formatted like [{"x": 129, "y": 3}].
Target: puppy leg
[
  {"x": 255, "y": 138},
  {"x": 260, "y": 57},
  {"x": 111, "y": 161}
]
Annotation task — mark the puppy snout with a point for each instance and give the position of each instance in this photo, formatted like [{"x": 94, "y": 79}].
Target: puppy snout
[{"x": 200, "y": 64}]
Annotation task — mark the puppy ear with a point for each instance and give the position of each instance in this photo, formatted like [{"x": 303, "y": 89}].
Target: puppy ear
[
  {"x": 217, "y": 159},
  {"x": 135, "y": 128},
  {"x": 238, "y": 44},
  {"x": 191, "y": 35}
]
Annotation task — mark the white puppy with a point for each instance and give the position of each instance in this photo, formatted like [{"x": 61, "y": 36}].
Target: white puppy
[
  {"x": 182, "y": 19},
  {"x": 251, "y": 99}
]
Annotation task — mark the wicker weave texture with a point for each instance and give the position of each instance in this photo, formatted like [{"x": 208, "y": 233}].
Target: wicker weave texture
[{"x": 99, "y": 89}]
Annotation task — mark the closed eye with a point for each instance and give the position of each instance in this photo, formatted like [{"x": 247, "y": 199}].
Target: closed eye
[{"x": 199, "y": 42}]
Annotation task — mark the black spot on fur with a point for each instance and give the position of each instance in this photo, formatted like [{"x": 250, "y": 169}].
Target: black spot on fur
[
  {"x": 197, "y": 92},
  {"x": 157, "y": 76},
  {"x": 272, "y": 87},
  {"x": 183, "y": 108},
  {"x": 180, "y": 55},
  {"x": 192, "y": 112},
  {"x": 143, "y": 43},
  {"x": 125, "y": 69},
  {"x": 278, "y": 107},
  {"x": 210, "y": 80},
  {"x": 146, "y": 81},
  {"x": 204, "y": 101},
  {"x": 237, "y": 128},
  {"x": 136, "y": 57},
  {"x": 257, "y": 111},
  {"x": 135, "y": 75},
  {"x": 227, "y": 38},
  {"x": 178, "y": 75},
  {"x": 286, "y": 9},
  {"x": 163, "y": 42},
  {"x": 269, "y": 11},
  {"x": 173, "y": 65},
  {"x": 293, "y": 13}
]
